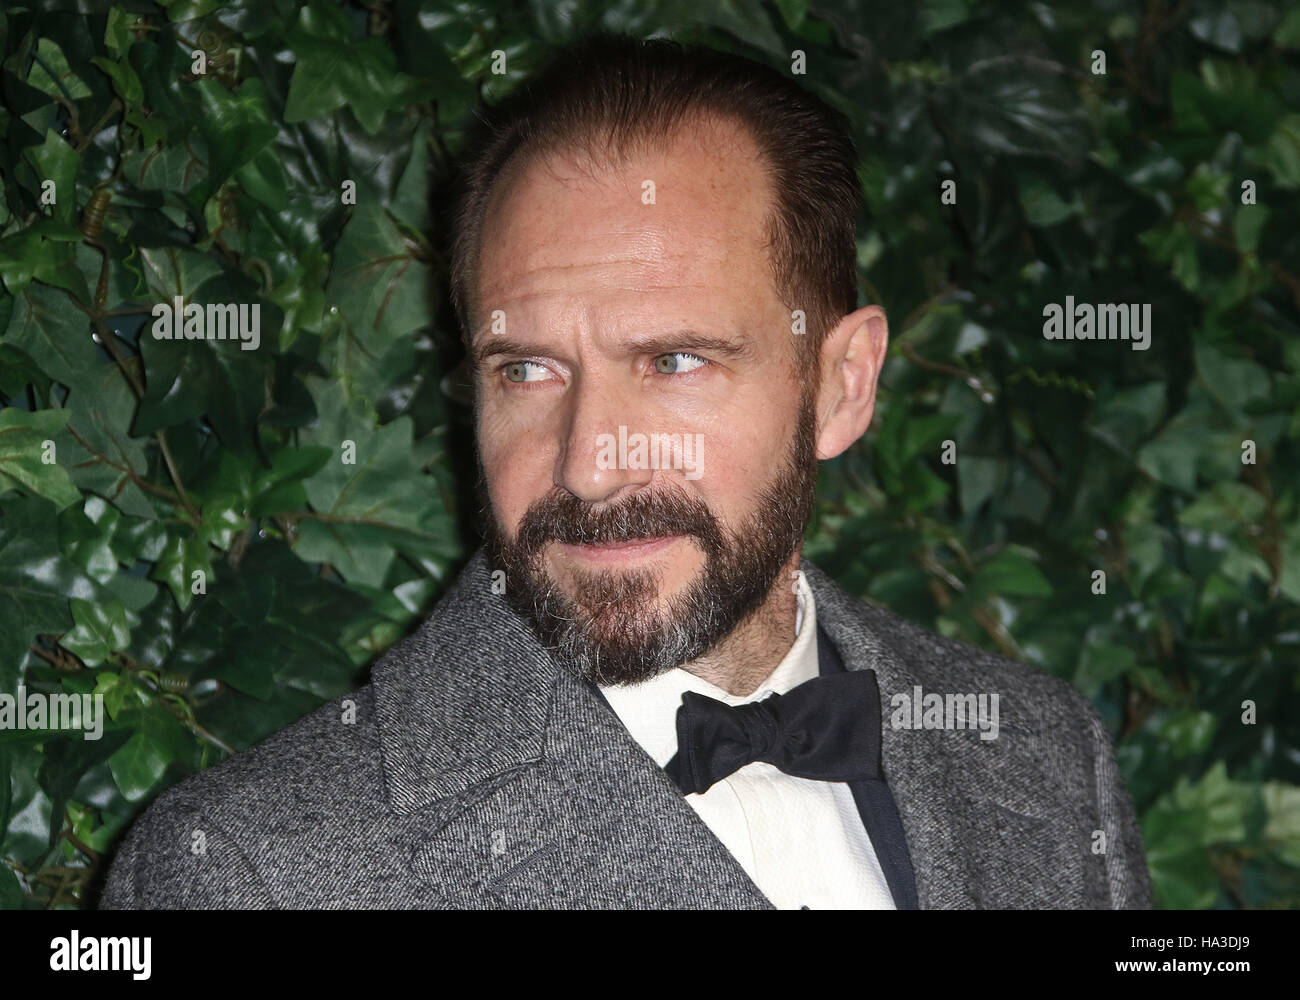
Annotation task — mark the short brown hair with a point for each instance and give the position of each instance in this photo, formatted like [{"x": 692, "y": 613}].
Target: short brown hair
[{"x": 614, "y": 92}]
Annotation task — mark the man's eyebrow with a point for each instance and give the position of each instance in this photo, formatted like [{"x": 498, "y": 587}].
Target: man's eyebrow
[
  {"x": 493, "y": 344},
  {"x": 653, "y": 344},
  {"x": 690, "y": 340}
]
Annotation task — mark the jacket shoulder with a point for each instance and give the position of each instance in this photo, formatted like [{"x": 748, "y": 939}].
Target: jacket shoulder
[
  {"x": 940, "y": 663},
  {"x": 1055, "y": 724},
  {"x": 194, "y": 845},
  {"x": 959, "y": 663}
]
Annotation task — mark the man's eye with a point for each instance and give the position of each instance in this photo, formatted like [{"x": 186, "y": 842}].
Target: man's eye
[
  {"x": 525, "y": 371},
  {"x": 678, "y": 362}
]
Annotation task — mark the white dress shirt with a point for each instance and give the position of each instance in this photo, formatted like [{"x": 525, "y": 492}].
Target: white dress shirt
[{"x": 800, "y": 841}]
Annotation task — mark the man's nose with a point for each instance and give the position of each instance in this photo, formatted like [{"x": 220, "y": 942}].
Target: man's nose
[{"x": 599, "y": 422}]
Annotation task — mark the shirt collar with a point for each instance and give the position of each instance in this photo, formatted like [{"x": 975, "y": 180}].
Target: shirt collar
[{"x": 649, "y": 710}]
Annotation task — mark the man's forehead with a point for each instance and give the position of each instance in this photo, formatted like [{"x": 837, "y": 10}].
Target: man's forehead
[{"x": 688, "y": 211}]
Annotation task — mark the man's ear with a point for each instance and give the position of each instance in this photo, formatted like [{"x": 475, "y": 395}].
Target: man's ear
[{"x": 851, "y": 358}]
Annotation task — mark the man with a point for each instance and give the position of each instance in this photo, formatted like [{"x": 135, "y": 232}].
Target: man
[{"x": 638, "y": 694}]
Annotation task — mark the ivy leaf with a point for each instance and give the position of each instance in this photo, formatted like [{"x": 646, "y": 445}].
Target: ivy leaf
[
  {"x": 125, "y": 81},
  {"x": 1234, "y": 383},
  {"x": 1170, "y": 457},
  {"x": 36, "y": 579},
  {"x": 18, "y": 370},
  {"x": 1010, "y": 573},
  {"x": 1282, "y": 154},
  {"x": 380, "y": 289},
  {"x": 170, "y": 270},
  {"x": 23, "y": 451},
  {"x": 101, "y": 627},
  {"x": 1180, "y": 828},
  {"x": 117, "y": 32},
  {"x": 138, "y": 765},
  {"x": 178, "y": 563},
  {"x": 263, "y": 177},
  {"x": 1189, "y": 732},
  {"x": 1247, "y": 225},
  {"x": 51, "y": 73},
  {"x": 221, "y": 522},
  {"x": 334, "y": 70},
  {"x": 236, "y": 127},
  {"x": 1287, "y": 35},
  {"x": 55, "y": 334},
  {"x": 101, "y": 453},
  {"x": 88, "y": 542},
  {"x": 42, "y": 253},
  {"x": 280, "y": 489},
  {"x": 181, "y": 558},
  {"x": 114, "y": 688},
  {"x": 1125, "y": 416},
  {"x": 1043, "y": 206},
  {"x": 25, "y": 807},
  {"x": 372, "y": 505},
  {"x": 410, "y": 202},
  {"x": 55, "y": 160},
  {"x": 217, "y": 379},
  {"x": 1282, "y": 828}
]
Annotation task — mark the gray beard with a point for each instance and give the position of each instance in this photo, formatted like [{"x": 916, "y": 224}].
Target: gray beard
[{"x": 609, "y": 631}]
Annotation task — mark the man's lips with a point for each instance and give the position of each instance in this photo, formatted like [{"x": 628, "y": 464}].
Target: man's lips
[{"x": 620, "y": 551}]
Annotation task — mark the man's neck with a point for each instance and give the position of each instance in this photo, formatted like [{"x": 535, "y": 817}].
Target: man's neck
[{"x": 747, "y": 657}]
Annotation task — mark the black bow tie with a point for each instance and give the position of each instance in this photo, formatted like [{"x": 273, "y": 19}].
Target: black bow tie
[{"x": 827, "y": 729}]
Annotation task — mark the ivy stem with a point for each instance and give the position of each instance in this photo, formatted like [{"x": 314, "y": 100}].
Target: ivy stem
[{"x": 114, "y": 106}]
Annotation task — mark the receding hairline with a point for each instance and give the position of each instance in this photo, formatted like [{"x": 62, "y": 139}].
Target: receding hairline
[{"x": 594, "y": 152}]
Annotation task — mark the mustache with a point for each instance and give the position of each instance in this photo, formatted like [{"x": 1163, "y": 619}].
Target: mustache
[{"x": 560, "y": 516}]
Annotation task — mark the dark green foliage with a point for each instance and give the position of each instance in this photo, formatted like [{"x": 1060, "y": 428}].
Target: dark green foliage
[{"x": 172, "y": 458}]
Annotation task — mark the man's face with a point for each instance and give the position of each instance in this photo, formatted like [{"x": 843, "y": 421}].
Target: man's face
[{"x": 627, "y": 318}]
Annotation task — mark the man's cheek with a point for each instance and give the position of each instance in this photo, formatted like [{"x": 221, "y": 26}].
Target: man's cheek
[
  {"x": 510, "y": 509},
  {"x": 507, "y": 506},
  {"x": 512, "y": 493},
  {"x": 503, "y": 465}
]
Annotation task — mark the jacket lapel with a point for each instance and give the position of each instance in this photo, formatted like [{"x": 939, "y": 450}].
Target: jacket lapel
[
  {"x": 917, "y": 770},
  {"x": 534, "y": 792},
  {"x": 985, "y": 822}
]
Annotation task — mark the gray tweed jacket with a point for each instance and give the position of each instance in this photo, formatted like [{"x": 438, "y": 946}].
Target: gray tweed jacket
[{"x": 475, "y": 772}]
